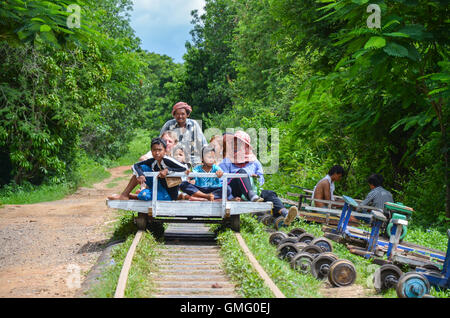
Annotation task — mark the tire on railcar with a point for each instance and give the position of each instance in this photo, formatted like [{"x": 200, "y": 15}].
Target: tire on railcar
[
  {"x": 141, "y": 221},
  {"x": 156, "y": 228},
  {"x": 233, "y": 222}
]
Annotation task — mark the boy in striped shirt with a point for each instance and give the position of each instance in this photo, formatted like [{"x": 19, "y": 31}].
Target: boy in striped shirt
[{"x": 160, "y": 162}]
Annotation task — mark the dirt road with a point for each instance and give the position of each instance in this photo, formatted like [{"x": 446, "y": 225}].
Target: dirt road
[{"x": 46, "y": 249}]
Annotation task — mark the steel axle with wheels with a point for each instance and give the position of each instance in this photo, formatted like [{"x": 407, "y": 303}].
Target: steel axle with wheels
[
  {"x": 320, "y": 266},
  {"x": 412, "y": 285},
  {"x": 386, "y": 277}
]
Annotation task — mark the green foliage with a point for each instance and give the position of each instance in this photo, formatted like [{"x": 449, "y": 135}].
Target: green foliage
[
  {"x": 87, "y": 173},
  {"x": 27, "y": 193},
  {"x": 372, "y": 100},
  {"x": 240, "y": 269},
  {"x": 46, "y": 97},
  {"x": 139, "y": 146},
  {"x": 204, "y": 83},
  {"x": 43, "y": 22},
  {"x": 67, "y": 93}
]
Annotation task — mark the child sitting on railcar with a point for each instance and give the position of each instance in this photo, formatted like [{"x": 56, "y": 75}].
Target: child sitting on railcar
[
  {"x": 239, "y": 158},
  {"x": 160, "y": 162},
  {"x": 203, "y": 188}
]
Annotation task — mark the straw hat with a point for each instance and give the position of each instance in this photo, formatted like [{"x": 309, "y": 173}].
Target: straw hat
[{"x": 244, "y": 137}]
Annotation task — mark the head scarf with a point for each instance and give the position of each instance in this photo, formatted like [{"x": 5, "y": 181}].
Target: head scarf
[{"x": 181, "y": 105}]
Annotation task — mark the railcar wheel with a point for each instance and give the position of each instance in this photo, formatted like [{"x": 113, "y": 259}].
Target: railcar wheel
[
  {"x": 296, "y": 232},
  {"x": 157, "y": 229},
  {"x": 302, "y": 262},
  {"x": 306, "y": 238},
  {"x": 276, "y": 238},
  {"x": 289, "y": 240},
  {"x": 267, "y": 219},
  {"x": 141, "y": 221},
  {"x": 314, "y": 250},
  {"x": 279, "y": 222},
  {"x": 320, "y": 266},
  {"x": 342, "y": 273},
  {"x": 301, "y": 245},
  {"x": 412, "y": 285},
  {"x": 329, "y": 254},
  {"x": 386, "y": 277},
  {"x": 287, "y": 251},
  {"x": 323, "y": 243},
  {"x": 235, "y": 222}
]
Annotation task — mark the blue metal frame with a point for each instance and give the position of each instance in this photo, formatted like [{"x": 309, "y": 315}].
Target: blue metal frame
[
  {"x": 442, "y": 280},
  {"x": 372, "y": 238}
]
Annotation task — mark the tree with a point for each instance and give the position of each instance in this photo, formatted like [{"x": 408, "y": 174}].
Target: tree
[
  {"x": 411, "y": 50},
  {"x": 208, "y": 69},
  {"x": 44, "y": 21}
]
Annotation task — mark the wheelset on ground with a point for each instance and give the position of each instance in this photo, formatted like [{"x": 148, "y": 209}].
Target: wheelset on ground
[{"x": 310, "y": 255}]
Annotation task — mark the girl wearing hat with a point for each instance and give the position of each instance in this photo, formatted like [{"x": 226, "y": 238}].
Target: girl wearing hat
[{"x": 239, "y": 158}]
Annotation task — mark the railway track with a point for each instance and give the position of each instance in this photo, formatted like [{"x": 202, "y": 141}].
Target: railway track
[{"x": 190, "y": 265}]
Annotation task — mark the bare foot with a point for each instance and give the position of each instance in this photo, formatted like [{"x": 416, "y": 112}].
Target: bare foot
[
  {"x": 133, "y": 196},
  {"x": 191, "y": 198},
  {"x": 211, "y": 197},
  {"x": 184, "y": 196},
  {"x": 236, "y": 199},
  {"x": 118, "y": 197}
]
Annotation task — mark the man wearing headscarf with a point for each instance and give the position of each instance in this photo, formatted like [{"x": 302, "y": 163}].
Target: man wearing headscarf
[{"x": 189, "y": 132}]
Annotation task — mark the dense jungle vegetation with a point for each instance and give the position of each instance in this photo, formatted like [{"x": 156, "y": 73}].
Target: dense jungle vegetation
[{"x": 372, "y": 99}]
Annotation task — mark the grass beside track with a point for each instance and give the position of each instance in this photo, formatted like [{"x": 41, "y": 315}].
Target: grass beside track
[
  {"x": 290, "y": 282},
  {"x": 89, "y": 172},
  {"x": 239, "y": 268},
  {"x": 236, "y": 264},
  {"x": 138, "y": 285}
]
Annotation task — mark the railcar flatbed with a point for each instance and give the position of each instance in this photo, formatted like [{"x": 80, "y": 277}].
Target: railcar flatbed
[{"x": 192, "y": 211}]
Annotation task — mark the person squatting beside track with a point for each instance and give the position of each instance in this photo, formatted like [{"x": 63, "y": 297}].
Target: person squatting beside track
[
  {"x": 324, "y": 189},
  {"x": 377, "y": 196}
]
